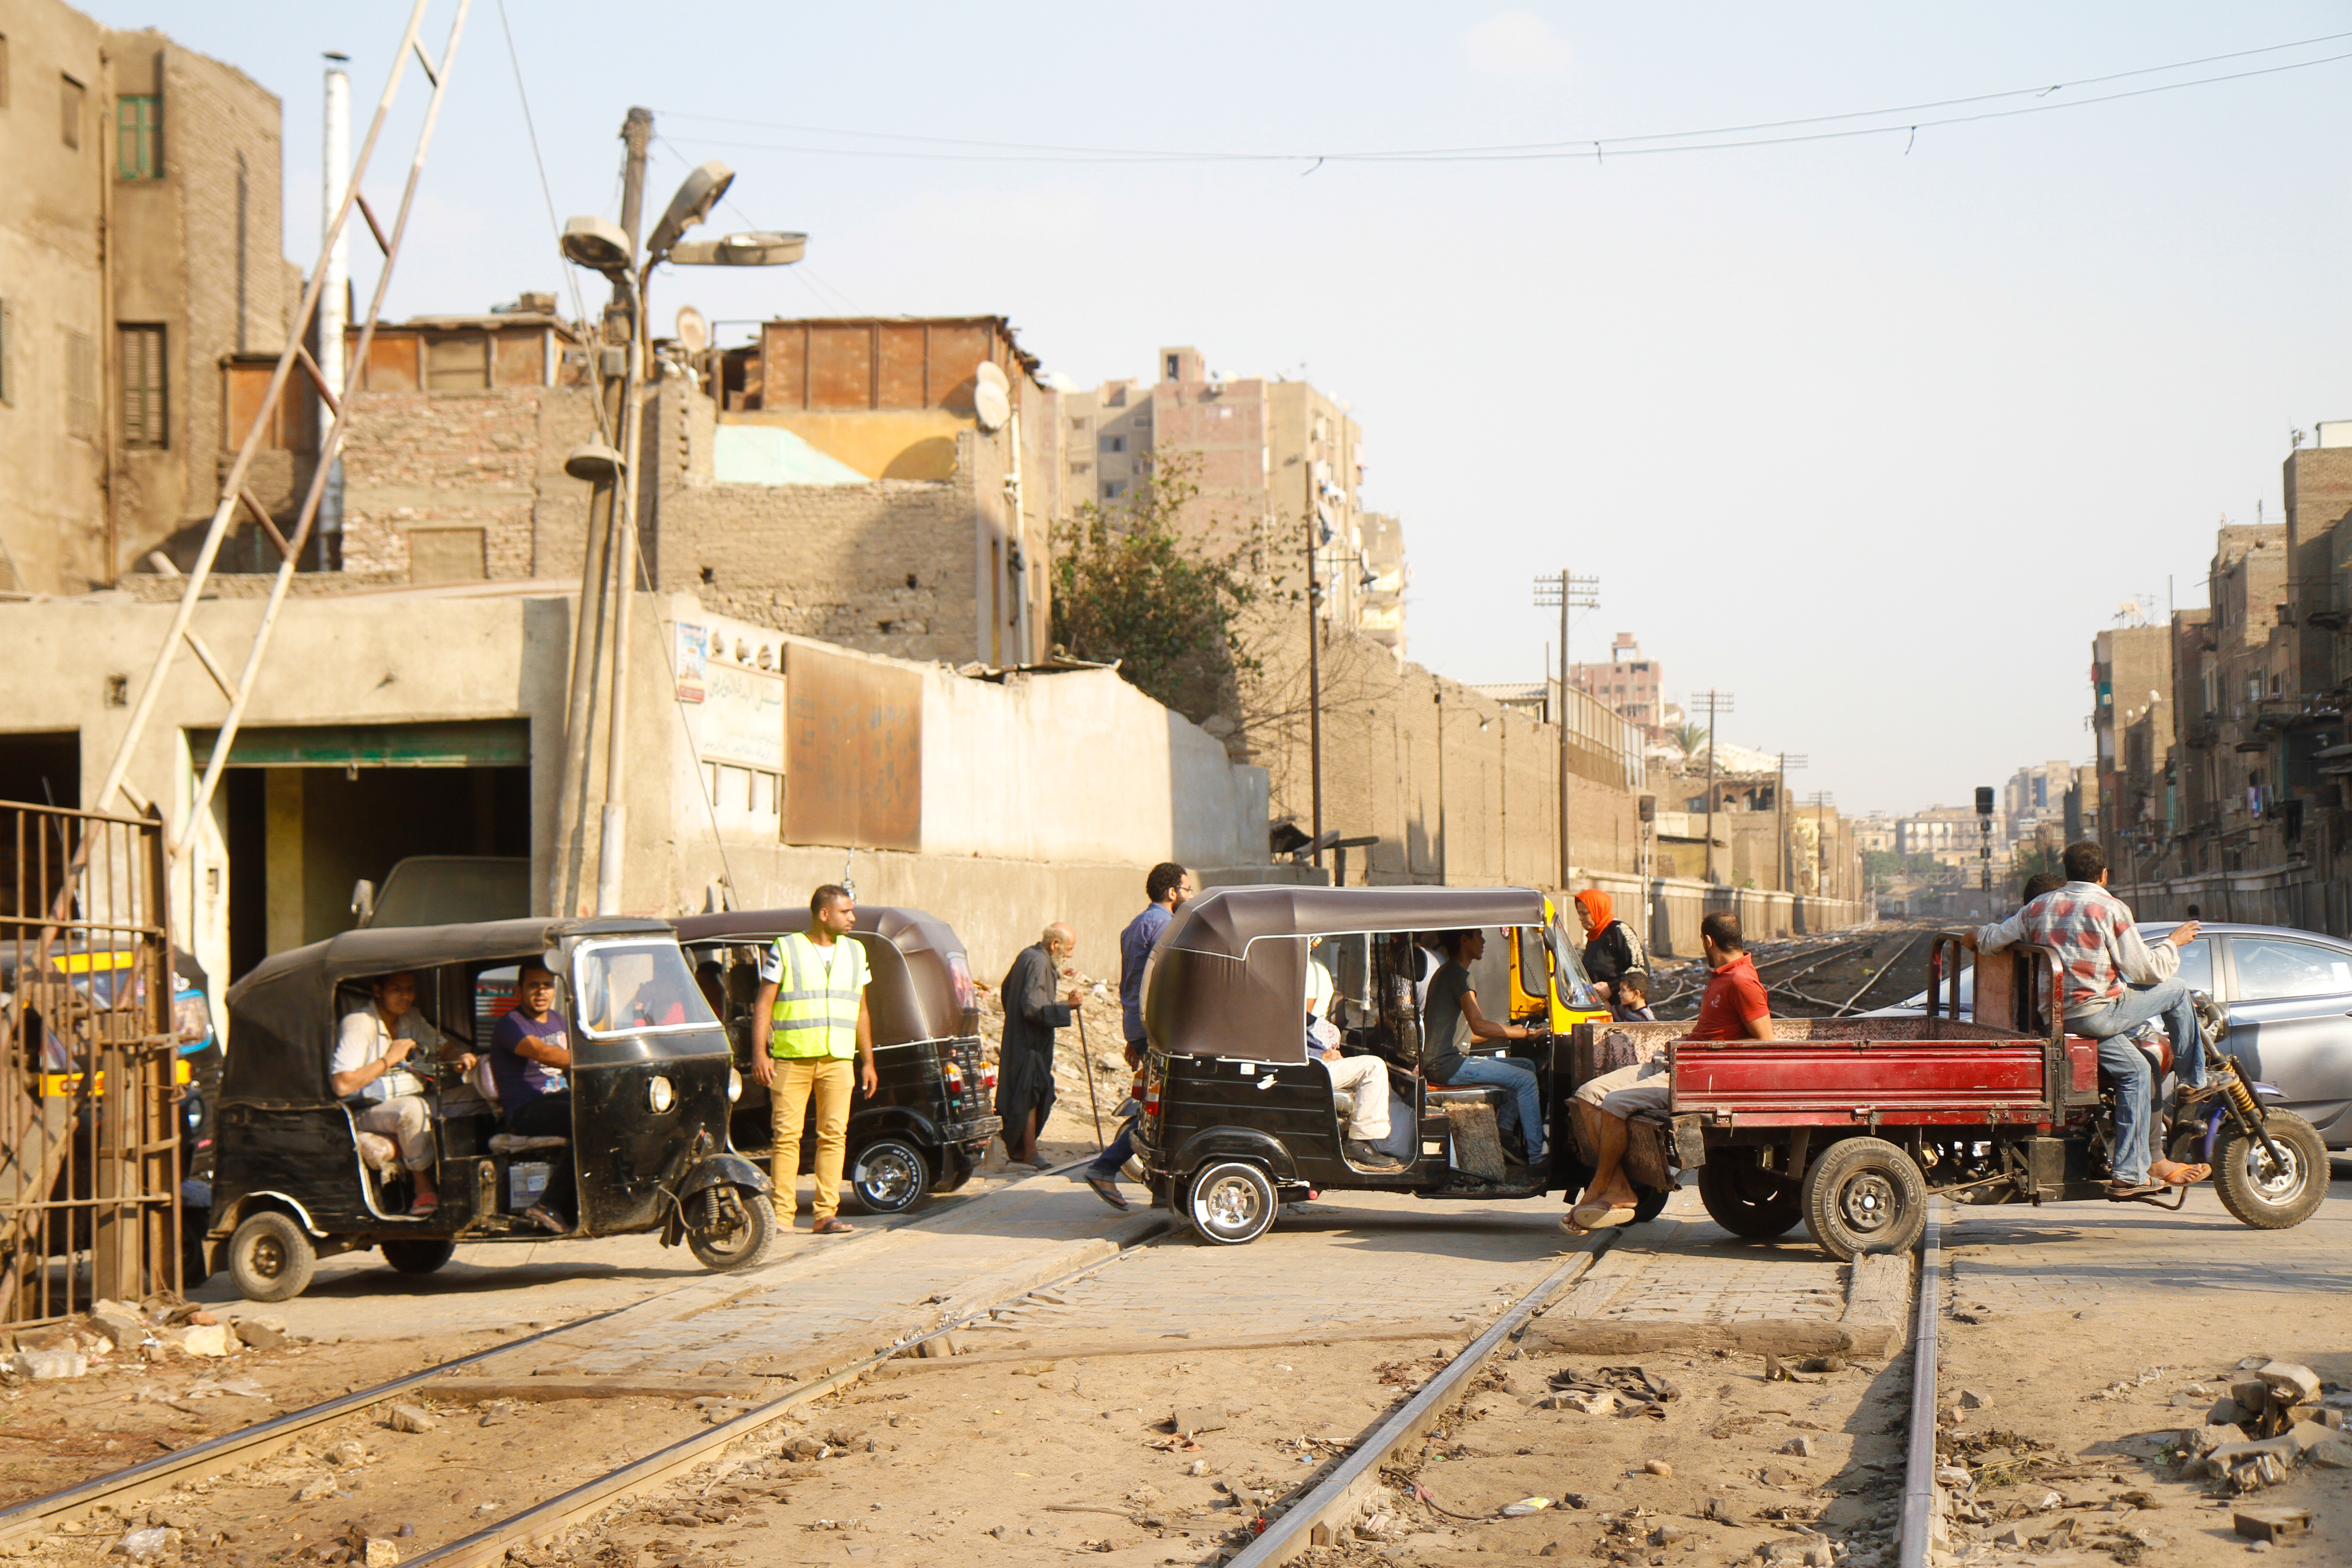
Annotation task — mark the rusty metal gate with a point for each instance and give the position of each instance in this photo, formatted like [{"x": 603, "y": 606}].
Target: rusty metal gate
[{"x": 89, "y": 1201}]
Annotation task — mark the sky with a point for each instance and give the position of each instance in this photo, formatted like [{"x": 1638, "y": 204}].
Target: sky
[{"x": 1874, "y": 432}]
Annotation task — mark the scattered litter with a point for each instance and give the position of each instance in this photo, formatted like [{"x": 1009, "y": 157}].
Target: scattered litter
[
  {"x": 1659, "y": 1468},
  {"x": 142, "y": 1544},
  {"x": 1525, "y": 1506}
]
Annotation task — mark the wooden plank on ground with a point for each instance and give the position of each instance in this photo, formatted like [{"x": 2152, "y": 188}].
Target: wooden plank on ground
[
  {"x": 1877, "y": 1303},
  {"x": 1073, "y": 1349},
  {"x": 623, "y": 1386}
]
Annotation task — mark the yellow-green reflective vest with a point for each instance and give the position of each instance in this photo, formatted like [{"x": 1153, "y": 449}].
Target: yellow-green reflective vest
[{"x": 815, "y": 1014}]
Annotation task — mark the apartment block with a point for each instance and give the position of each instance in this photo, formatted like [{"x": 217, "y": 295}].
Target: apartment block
[
  {"x": 140, "y": 250},
  {"x": 1628, "y": 682}
]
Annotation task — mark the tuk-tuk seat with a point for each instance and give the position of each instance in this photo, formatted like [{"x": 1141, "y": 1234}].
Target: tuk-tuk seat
[{"x": 1469, "y": 1094}]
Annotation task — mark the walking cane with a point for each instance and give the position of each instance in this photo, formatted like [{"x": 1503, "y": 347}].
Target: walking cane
[{"x": 1087, "y": 1051}]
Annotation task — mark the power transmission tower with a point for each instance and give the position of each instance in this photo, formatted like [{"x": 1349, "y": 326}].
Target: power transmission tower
[{"x": 1568, "y": 592}]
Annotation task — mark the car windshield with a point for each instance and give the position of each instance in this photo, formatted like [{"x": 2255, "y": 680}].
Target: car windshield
[{"x": 638, "y": 987}]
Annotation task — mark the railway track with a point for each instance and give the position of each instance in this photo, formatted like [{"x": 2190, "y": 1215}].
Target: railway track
[{"x": 1419, "y": 1385}]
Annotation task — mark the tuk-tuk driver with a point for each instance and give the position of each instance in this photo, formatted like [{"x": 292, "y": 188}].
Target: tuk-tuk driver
[
  {"x": 814, "y": 1027},
  {"x": 371, "y": 1048},
  {"x": 1732, "y": 1007}
]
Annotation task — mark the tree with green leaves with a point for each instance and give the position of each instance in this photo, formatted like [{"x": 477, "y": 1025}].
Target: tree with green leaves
[{"x": 1131, "y": 586}]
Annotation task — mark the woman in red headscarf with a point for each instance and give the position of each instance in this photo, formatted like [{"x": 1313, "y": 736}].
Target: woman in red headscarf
[{"x": 1612, "y": 947}]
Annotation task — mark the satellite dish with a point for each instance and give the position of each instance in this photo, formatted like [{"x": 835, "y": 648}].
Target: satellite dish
[
  {"x": 693, "y": 330},
  {"x": 987, "y": 374},
  {"x": 989, "y": 402}
]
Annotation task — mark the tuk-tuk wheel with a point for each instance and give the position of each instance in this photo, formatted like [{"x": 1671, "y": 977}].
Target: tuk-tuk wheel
[
  {"x": 1231, "y": 1202},
  {"x": 888, "y": 1175},
  {"x": 270, "y": 1259},
  {"x": 418, "y": 1256},
  {"x": 744, "y": 1246},
  {"x": 1864, "y": 1195},
  {"x": 1745, "y": 1199}
]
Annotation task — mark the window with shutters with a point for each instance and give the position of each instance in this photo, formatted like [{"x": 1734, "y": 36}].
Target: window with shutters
[
  {"x": 138, "y": 138},
  {"x": 69, "y": 97},
  {"x": 458, "y": 363},
  {"x": 146, "y": 407}
]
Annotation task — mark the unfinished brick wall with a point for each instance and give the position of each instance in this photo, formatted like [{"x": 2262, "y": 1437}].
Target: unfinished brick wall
[
  {"x": 886, "y": 567},
  {"x": 415, "y": 460}
]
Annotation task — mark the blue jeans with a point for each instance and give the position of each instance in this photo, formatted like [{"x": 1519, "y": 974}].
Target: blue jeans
[
  {"x": 1526, "y": 1106},
  {"x": 1116, "y": 1154},
  {"x": 2134, "y": 1107},
  {"x": 2167, "y": 999}
]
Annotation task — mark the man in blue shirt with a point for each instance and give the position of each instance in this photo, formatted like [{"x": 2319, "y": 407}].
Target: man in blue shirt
[
  {"x": 529, "y": 1051},
  {"x": 1166, "y": 887}
]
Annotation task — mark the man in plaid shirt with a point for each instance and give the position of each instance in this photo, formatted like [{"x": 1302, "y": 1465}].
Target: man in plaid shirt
[{"x": 2114, "y": 983}]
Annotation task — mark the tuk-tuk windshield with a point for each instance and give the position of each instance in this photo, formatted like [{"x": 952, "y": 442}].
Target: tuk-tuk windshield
[
  {"x": 1575, "y": 987},
  {"x": 638, "y": 986}
]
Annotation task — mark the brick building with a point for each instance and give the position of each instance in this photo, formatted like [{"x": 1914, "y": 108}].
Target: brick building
[
  {"x": 139, "y": 249},
  {"x": 1629, "y": 683}
]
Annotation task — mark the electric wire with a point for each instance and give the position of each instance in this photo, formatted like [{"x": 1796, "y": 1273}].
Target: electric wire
[{"x": 1593, "y": 147}]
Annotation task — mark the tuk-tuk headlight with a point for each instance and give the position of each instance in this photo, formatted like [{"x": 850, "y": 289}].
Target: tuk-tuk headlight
[
  {"x": 734, "y": 1086},
  {"x": 661, "y": 1094}
]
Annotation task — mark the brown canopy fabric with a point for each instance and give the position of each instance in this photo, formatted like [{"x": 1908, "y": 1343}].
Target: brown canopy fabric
[
  {"x": 1229, "y": 976},
  {"x": 921, "y": 982}
]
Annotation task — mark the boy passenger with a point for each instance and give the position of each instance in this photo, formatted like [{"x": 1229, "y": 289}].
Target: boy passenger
[{"x": 530, "y": 1052}]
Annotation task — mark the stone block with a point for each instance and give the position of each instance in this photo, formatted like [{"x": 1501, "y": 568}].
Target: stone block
[
  {"x": 45, "y": 1366},
  {"x": 2271, "y": 1523},
  {"x": 411, "y": 1418},
  {"x": 124, "y": 1331},
  {"x": 207, "y": 1339},
  {"x": 258, "y": 1335},
  {"x": 2291, "y": 1382}
]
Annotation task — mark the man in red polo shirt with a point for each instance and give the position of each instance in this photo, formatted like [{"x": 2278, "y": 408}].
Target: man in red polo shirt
[{"x": 1732, "y": 1009}]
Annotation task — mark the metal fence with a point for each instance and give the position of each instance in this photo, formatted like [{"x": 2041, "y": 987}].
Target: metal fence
[{"x": 90, "y": 1204}]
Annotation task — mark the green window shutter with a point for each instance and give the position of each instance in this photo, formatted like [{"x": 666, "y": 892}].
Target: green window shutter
[{"x": 138, "y": 138}]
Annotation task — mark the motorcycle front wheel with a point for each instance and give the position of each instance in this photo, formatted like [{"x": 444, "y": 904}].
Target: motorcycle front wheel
[{"x": 2272, "y": 1193}]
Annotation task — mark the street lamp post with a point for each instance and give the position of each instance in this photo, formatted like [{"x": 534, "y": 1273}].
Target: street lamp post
[
  {"x": 1717, "y": 702},
  {"x": 590, "y": 243}
]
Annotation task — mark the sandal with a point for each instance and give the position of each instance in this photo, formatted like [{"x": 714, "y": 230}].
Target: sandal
[
  {"x": 2180, "y": 1175},
  {"x": 424, "y": 1205},
  {"x": 546, "y": 1220},
  {"x": 1601, "y": 1216},
  {"x": 830, "y": 1226},
  {"x": 2120, "y": 1190}
]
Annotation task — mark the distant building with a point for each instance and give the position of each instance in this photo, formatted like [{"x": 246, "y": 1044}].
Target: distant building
[
  {"x": 2033, "y": 799},
  {"x": 1950, "y": 835},
  {"x": 1267, "y": 456},
  {"x": 1628, "y": 682},
  {"x": 140, "y": 250}
]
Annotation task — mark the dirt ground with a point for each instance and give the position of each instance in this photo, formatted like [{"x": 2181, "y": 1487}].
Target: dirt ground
[{"x": 2100, "y": 1393}]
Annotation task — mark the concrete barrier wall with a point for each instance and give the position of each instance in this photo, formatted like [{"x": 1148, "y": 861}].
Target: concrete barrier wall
[
  {"x": 2283, "y": 896},
  {"x": 1677, "y": 904}
]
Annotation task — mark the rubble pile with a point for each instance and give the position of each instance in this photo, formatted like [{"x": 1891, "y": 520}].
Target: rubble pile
[
  {"x": 119, "y": 1333},
  {"x": 2276, "y": 1415}
]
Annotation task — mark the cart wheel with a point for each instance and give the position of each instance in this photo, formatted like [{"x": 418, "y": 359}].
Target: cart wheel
[
  {"x": 418, "y": 1256},
  {"x": 888, "y": 1175},
  {"x": 747, "y": 1233},
  {"x": 270, "y": 1259},
  {"x": 1649, "y": 1202},
  {"x": 1864, "y": 1195},
  {"x": 1745, "y": 1199},
  {"x": 1231, "y": 1202},
  {"x": 2263, "y": 1193}
]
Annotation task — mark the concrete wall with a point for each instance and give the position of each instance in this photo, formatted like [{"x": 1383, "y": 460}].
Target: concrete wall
[
  {"x": 1676, "y": 905},
  {"x": 459, "y": 465}
]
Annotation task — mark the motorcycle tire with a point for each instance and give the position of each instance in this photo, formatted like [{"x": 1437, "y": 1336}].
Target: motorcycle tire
[
  {"x": 2255, "y": 1190},
  {"x": 745, "y": 1246}
]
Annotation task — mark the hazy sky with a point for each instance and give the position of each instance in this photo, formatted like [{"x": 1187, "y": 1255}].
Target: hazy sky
[{"x": 1875, "y": 433}]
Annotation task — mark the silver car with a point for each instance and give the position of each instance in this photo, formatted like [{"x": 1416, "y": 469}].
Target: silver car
[{"x": 2289, "y": 996}]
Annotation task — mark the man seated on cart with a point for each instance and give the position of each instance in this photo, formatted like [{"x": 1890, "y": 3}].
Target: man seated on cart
[
  {"x": 2114, "y": 983},
  {"x": 1365, "y": 1078},
  {"x": 1733, "y": 1008}
]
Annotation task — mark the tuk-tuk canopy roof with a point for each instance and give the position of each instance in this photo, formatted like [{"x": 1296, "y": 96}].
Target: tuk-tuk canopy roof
[
  {"x": 1223, "y": 923},
  {"x": 283, "y": 1012},
  {"x": 921, "y": 995}
]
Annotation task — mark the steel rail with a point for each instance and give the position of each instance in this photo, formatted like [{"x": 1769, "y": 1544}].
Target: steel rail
[
  {"x": 1331, "y": 1499},
  {"x": 561, "y": 1512},
  {"x": 157, "y": 1474},
  {"x": 1884, "y": 971},
  {"x": 153, "y": 1474},
  {"x": 1919, "y": 1460}
]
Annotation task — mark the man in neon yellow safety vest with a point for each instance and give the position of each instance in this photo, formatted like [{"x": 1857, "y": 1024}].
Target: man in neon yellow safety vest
[{"x": 812, "y": 995}]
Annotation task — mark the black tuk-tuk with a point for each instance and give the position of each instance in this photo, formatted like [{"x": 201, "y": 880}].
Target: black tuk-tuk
[
  {"x": 651, "y": 1083},
  {"x": 932, "y": 1116},
  {"x": 1237, "y": 1119}
]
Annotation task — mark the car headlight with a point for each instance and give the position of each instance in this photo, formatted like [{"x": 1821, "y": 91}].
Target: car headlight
[
  {"x": 734, "y": 1086},
  {"x": 662, "y": 1095}
]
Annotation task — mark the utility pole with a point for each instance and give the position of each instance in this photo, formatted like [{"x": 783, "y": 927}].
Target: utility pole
[
  {"x": 1781, "y": 818},
  {"x": 1314, "y": 661},
  {"x": 334, "y": 290},
  {"x": 636, "y": 134},
  {"x": 1819, "y": 800},
  {"x": 590, "y": 637},
  {"x": 1717, "y": 702},
  {"x": 1567, "y": 590}
]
